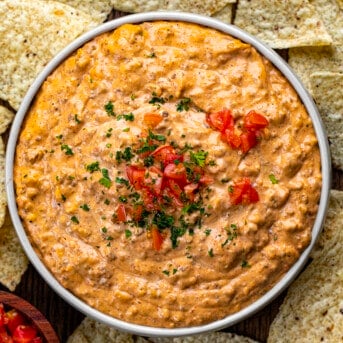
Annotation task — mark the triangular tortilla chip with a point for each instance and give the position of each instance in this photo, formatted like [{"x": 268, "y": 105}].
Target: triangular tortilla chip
[
  {"x": 13, "y": 261},
  {"x": 98, "y": 10},
  {"x": 206, "y": 7},
  {"x": 6, "y": 117},
  {"x": 31, "y": 33},
  {"x": 327, "y": 91},
  {"x": 306, "y": 61},
  {"x": 212, "y": 337},
  {"x": 312, "y": 308},
  {"x": 3, "y": 199},
  {"x": 282, "y": 24},
  {"x": 225, "y": 14},
  {"x": 91, "y": 331},
  {"x": 332, "y": 17}
]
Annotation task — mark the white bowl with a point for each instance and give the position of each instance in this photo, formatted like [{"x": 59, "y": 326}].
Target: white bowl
[{"x": 325, "y": 165}]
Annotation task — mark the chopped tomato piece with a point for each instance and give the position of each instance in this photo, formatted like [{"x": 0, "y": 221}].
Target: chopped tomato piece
[
  {"x": 254, "y": 121},
  {"x": 157, "y": 239},
  {"x": 137, "y": 212},
  {"x": 150, "y": 200},
  {"x": 166, "y": 154},
  {"x": 121, "y": 213},
  {"x": 189, "y": 190},
  {"x": 3, "y": 318},
  {"x": 243, "y": 192},
  {"x": 4, "y": 337},
  {"x": 175, "y": 188},
  {"x": 136, "y": 176},
  {"x": 221, "y": 120},
  {"x": 248, "y": 141},
  {"x": 152, "y": 119},
  {"x": 24, "y": 334},
  {"x": 233, "y": 139},
  {"x": 14, "y": 318},
  {"x": 176, "y": 172}
]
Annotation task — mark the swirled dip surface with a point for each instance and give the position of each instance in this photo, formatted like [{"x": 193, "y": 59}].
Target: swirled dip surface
[{"x": 167, "y": 174}]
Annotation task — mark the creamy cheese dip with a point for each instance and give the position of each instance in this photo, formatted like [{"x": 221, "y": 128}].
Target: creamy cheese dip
[{"x": 167, "y": 174}]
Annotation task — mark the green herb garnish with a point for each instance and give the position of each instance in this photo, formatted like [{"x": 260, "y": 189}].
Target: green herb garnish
[
  {"x": 273, "y": 179},
  {"x": 199, "y": 157},
  {"x": 183, "y": 104},
  {"x": 75, "y": 220},
  {"x": 85, "y": 207},
  {"x": 109, "y": 108},
  {"x": 105, "y": 180},
  {"x": 127, "y": 117},
  {"x": 67, "y": 149},
  {"x": 128, "y": 233},
  {"x": 93, "y": 167}
]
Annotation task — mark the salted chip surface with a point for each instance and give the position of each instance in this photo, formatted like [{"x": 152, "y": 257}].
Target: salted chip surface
[
  {"x": 225, "y": 14},
  {"x": 332, "y": 16},
  {"x": 213, "y": 337},
  {"x": 99, "y": 10},
  {"x": 305, "y": 61},
  {"x": 31, "y": 33},
  {"x": 327, "y": 92},
  {"x": 206, "y": 7},
  {"x": 282, "y": 24},
  {"x": 13, "y": 261},
  {"x": 91, "y": 331},
  {"x": 6, "y": 117},
  {"x": 313, "y": 306}
]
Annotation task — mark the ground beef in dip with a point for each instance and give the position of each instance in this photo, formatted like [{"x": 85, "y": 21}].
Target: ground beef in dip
[{"x": 167, "y": 174}]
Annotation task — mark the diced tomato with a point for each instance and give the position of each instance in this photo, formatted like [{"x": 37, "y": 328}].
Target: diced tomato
[
  {"x": 175, "y": 188},
  {"x": 221, "y": 120},
  {"x": 3, "y": 318},
  {"x": 243, "y": 192},
  {"x": 232, "y": 138},
  {"x": 121, "y": 213},
  {"x": 136, "y": 176},
  {"x": 248, "y": 141},
  {"x": 152, "y": 119},
  {"x": 176, "y": 172},
  {"x": 24, "y": 334},
  {"x": 14, "y": 318},
  {"x": 137, "y": 212},
  {"x": 166, "y": 154},
  {"x": 4, "y": 337},
  {"x": 150, "y": 200},
  {"x": 254, "y": 121},
  {"x": 157, "y": 239}
]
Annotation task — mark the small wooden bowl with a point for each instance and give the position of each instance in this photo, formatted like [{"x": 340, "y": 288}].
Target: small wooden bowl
[{"x": 32, "y": 314}]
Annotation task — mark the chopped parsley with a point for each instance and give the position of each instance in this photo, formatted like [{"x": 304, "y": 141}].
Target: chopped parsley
[
  {"x": 125, "y": 155},
  {"x": 183, "y": 104},
  {"x": 174, "y": 271},
  {"x": 78, "y": 121},
  {"x": 176, "y": 232},
  {"x": 199, "y": 157},
  {"x": 148, "y": 161},
  {"x": 93, "y": 167},
  {"x": 75, "y": 220},
  {"x": 245, "y": 264},
  {"x": 127, "y": 117},
  {"x": 85, "y": 207},
  {"x": 109, "y": 108},
  {"x": 127, "y": 129},
  {"x": 128, "y": 233},
  {"x": 106, "y": 202},
  {"x": 105, "y": 180},
  {"x": 156, "y": 100},
  {"x": 159, "y": 138},
  {"x": 67, "y": 149},
  {"x": 63, "y": 197},
  {"x": 273, "y": 179},
  {"x": 210, "y": 252},
  {"x": 166, "y": 272},
  {"x": 151, "y": 55},
  {"x": 122, "y": 181},
  {"x": 59, "y": 136},
  {"x": 208, "y": 232},
  {"x": 123, "y": 199},
  {"x": 109, "y": 132},
  {"x": 108, "y": 145},
  {"x": 225, "y": 180},
  {"x": 163, "y": 220},
  {"x": 104, "y": 229}
]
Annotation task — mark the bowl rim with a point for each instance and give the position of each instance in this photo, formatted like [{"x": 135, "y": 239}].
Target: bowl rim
[{"x": 287, "y": 72}]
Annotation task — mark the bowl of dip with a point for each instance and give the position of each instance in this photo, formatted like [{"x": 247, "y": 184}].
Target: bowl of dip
[{"x": 168, "y": 174}]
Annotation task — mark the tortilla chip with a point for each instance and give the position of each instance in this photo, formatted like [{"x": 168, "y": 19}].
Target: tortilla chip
[
  {"x": 282, "y": 24},
  {"x": 327, "y": 92},
  {"x": 206, "y": 7},
  {"x": 31, "y": 33},
  {"x": 306, "y": 61},
  {"x": 213, "y": 337},
  {"x": 6, "y": 117},
  {"x": 98, "y": 10},
  {"x": 13, "y": 261},
  {"x": 332, "y": 17},
  {"x": 225, "y": 14},
  {"x": 313, "y": 305},
  {"x": 91, "y": 331}
]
